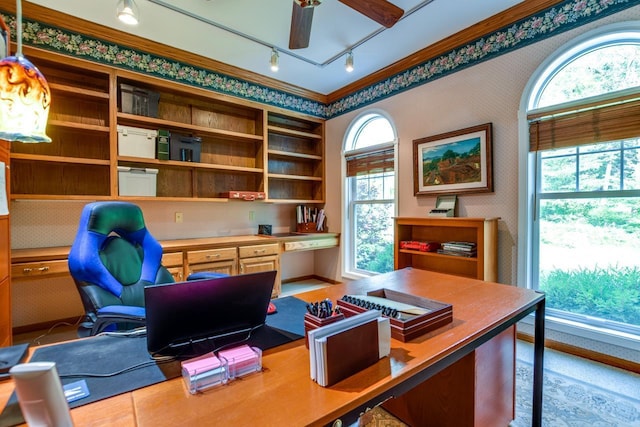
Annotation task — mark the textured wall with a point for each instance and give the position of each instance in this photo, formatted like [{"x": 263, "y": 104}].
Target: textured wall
[{"x": 488, "y": 92}]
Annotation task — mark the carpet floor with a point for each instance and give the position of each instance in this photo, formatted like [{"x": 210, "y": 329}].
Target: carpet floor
[{"x": 577, "y": 393}]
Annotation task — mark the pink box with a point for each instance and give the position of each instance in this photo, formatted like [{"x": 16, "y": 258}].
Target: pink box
[
  {"x": 242, "y": 360},
  {"x": 204, "y": 371}
]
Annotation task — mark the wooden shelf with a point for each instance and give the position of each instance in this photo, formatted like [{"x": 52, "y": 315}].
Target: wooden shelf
[
  {"x": 243, "y": 145},
  {"x": 437, "y": 255},
  {"x": 295, "y": 177},
  {"x": 279, "y": 153},
  {"x": 481, "y": 231},
  {"x": 192, "y": 165},
  {"x": 88, "y": 197},
  {"x": 79, "y": 126},
  {"x": 58, "y": 159},
  {"x": 173, "y": 199},
  {"x": 78, "y": 91},
  {"x": 198, "y": 130},
  {"x": 293, "y": 132}
]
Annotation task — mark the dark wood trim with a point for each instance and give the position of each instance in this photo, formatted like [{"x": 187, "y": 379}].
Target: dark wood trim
[
  {"x": 489, "y": 25},
  {"x": 616, "y": 362},
  {"x": 72, "y": 23}
]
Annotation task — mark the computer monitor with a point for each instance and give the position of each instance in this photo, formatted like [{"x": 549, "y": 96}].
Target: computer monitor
[{"x": 187, "y": 319}]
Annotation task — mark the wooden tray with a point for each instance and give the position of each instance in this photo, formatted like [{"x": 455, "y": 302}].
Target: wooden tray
[{"x": 405, "y": 330}]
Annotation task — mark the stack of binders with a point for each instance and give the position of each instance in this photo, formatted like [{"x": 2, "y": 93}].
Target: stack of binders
[{"x": 343, "y": 348}]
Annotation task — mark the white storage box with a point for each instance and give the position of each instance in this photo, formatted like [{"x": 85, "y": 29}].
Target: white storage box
[
  {"x": 137, "y": 142},
  {"x": 137, "y": 181}
]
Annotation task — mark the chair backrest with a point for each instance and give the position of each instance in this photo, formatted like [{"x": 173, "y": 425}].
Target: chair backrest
[{"x": 114, "y": 256}]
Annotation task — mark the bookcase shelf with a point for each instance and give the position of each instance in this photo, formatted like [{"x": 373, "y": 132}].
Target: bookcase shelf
[
  {"x": 481, "y": 231},
  {"x": 295, "y": 155},
  {"x": 245, "y": 146}
]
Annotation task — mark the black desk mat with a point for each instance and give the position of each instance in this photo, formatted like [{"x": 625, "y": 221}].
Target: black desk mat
[{"x": 83, "y": 359}]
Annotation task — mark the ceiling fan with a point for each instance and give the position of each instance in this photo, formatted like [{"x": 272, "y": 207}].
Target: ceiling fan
[{"x": 381, "y": 11}]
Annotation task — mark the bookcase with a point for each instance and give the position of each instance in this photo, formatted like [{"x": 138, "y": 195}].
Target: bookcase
[
  {"x": 244, "y": 146},
  {"x": 481, "y": 231},
  {"x": 5, "y": 254},
  {"x": 296, "y": 159}
]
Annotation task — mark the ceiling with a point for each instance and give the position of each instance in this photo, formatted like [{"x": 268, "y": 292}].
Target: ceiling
[{"x": 242, "y": 33}]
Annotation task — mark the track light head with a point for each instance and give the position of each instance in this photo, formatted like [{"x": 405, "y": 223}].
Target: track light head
[
  {"x": 127, "y": 12},
  {"x": 348, "y": 65},
  {"x": 275, "y": 66}
]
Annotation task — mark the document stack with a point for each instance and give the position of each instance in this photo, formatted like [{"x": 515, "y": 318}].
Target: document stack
[
  {"x": 343, "y": 348},
  {"x": 466, "y": 249}
]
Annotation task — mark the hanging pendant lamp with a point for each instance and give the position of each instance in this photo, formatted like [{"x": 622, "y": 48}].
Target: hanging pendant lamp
[{"x": 25, "y": 96}]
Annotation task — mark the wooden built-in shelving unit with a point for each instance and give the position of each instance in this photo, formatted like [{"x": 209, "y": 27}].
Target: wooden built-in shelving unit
[{"x": 245, "y": 146}]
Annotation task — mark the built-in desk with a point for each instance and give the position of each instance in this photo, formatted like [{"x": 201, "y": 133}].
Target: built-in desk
[
  {"x": 228, "y": 254},
  {"x": 478, "y": 341}
]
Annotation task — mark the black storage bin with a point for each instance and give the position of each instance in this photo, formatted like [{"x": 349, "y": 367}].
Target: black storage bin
[
  {"x": 134, "y": 100},
  {"x": 185, "y": 148}
]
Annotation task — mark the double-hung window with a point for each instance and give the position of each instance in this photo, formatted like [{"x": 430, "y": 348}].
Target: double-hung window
[
  {"x": 584, "y": 204},
  {"x": 370, "y": 196}
]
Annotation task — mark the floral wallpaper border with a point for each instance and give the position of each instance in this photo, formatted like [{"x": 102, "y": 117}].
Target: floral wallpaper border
[{"x": 562, "y": 17}]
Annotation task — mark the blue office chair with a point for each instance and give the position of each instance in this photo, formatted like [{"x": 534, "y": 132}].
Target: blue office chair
[{"x": 111, "y": 260}]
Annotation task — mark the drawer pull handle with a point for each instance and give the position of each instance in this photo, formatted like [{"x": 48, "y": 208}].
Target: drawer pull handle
[
  {"x": 259, "y": 251},
  {"x": 213, "y": 256},
  {"x": 28, "y": 270}
]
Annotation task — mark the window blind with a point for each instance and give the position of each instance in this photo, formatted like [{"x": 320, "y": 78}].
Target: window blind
[
  {"x": 370, "y": 162},
  {"x": 607, "y": 120}
]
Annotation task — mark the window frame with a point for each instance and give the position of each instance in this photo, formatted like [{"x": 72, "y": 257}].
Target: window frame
[
  {"x": 348, "y": 204},
  {"x": 528, "y": 183}
]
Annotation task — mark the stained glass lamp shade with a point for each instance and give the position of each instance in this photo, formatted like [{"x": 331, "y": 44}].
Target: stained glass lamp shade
[{"x": 24, "y": 96}]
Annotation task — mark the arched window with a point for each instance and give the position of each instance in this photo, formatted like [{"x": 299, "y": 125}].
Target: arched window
[
  {"x": 370, "y": 195},
  {"x": 582, "y": 204}
]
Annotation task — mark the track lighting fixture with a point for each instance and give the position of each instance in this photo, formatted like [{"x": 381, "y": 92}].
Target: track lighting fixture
[
  {"x": 348, "y": 65},
  {"x": 274, "y": 60},
  {"x": 127, "y": 12}
]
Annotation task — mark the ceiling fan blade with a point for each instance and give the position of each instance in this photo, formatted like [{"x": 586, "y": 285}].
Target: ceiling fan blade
[
  {"x": 381, "y": 11},
  {"x": 301, "y": 18}
]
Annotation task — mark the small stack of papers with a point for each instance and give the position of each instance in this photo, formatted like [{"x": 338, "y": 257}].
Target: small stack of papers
[{"x": 342, "y": 348}]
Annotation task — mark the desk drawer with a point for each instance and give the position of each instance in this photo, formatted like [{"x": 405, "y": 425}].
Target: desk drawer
[
  {"x": 38, "y": 269},
  {"x": 209, "y": 255},
  {"x": 307, "y": 245},
  {"x": 259, "y": 250},
  {"x": 172, "y": 259}
]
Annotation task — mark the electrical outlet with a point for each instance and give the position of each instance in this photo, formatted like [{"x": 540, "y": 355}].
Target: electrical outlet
[
  {"x": 252, "y": 215},
  {"x": 179, "y": 217}
]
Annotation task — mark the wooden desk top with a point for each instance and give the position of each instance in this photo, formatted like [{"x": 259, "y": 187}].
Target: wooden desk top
[
  {"x": 62, "y": 252},
  {"x": 285, "y": 395}
]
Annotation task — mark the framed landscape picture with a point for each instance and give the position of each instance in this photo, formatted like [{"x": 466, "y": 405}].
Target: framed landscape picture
[{"x": 454, "y": 162}]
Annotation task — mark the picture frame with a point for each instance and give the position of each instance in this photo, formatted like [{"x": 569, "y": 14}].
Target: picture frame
[{"x": 455, "y": 162}]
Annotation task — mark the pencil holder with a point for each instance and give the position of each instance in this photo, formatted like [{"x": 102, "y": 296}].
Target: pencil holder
[
  {"x": 313, "y": 322},
  {"x": 306, "y": 227}
]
